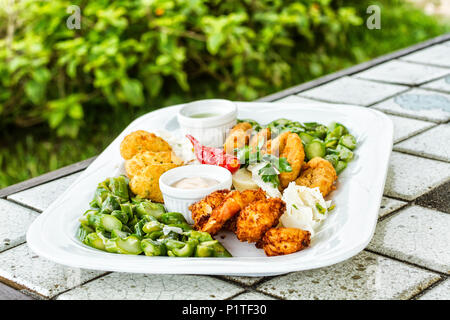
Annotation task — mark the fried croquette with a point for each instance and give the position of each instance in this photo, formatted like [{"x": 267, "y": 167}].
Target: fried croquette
[
  {"x": 233, "y": 202},
  {"x": 318, "y": 172},
  {"x": 258, "y": 217},
  {"x": 146, "y": 183},
  {"x": 288, "y": 145},
  {"x": 280, "y": 241},
  {"x": 141, "y": 160},
  {"x": 201, "y": 210},
  {"x": 140, "y": 141},
  {"x": 238, "y": 137}
]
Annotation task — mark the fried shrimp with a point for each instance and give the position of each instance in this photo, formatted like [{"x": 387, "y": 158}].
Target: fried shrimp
[
  {"x": 140, "y": 141},
  {"x": 280, "y": 241},
  {"x": 239, "y": 137},
  {"x": 234, "y": 202},
  {"x": 146, "y": 183},
  {"x": 318, "y": 172},
  {"x": 141, "y": 160},
  {"x": 258, "y": 217},
  {"x": 201, "y": 210},
  {"x": 260, "y": 138},
  {"x": 288, "y": 145}
]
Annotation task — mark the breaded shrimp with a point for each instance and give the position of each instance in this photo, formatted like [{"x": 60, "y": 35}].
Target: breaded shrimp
[
  {"x": 258, "y": 217},
  {"x": 239, "y": 137},
  {"x": 140, "y": 141},
  {"x": 234, "y": 202},
  {"x": 318, "y": 172},
  {"x": 260, "y": 138},
  {"x": 146, "y": 158},
  {"x": 280, "y": 241},
  {"x": 146, "y": 183},
  {"x": 201, "y": 210},
  {"x": 288, "y": 145}
]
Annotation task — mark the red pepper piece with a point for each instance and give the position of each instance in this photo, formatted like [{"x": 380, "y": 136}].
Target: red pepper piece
[{"x": 214, "y": 156}]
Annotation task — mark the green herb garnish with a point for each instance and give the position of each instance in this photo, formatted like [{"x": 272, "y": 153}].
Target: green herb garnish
[{"x": 321, "y": 209}]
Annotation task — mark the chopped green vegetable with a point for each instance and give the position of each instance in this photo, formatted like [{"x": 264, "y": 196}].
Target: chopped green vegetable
[
  {"x": 321, "y": 209},
  {"x": 316, "y": 148},
  {"x": 341, "y": 165},
  {"x": 306, "y": 138},
  {"x": 153, "y": 248},
  {"x": 348, "y": 141}
]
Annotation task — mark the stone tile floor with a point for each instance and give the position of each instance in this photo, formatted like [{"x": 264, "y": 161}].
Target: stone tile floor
[{"x": 408, "y": 257}]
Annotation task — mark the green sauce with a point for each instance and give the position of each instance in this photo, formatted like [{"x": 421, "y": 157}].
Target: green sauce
[{"x": 203, "y": 115}]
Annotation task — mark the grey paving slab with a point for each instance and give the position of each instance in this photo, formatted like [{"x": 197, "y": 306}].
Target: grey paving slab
[
  {"x": 121, "y": 286},
  {"x": 14, "y": 223},
  {"x": 253, "y": 296},
  {"x": 438, "y": 55},
  {"x": 440, "y": 292},
  {"x": 365, "y": 276},
  {"x": 389, "y": 205},
  {"x": 8, "y": 293},
  {"x": 246, "y": 281},
  {"x": 21, "y": 267},
  {"x": 402, "y": 72},
  {"x": 406, "y": 127},
  {"x": 438, "y": 198},
  {"x": 420, "y": 104},
  {"x": 353, "y": 91},
  {"x": 42, "y": 196},
  {"x": 302, "y": 100},
  {"x": 417, "y": 235},
  {"x": 442, "y": 84},
  {"x": 433, "y": 143},
  {"x": 410, "y": 177}
]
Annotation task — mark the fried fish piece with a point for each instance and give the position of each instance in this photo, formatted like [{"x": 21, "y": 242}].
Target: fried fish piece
[
  {"x": 140, "y": 141},
  {"x": 258, "y": 217},
  {"x": 201, "y": 210},
  {"x": 141, "y": 160},
  {"x": 280, "y": 241},
  {"x": 239, "y": 137},
  {"x": 318, "y": 172},
  {"x": 146, "y": 183},
  {"x": 234, "y": 202},
  {"x": 288, "y": 145}
]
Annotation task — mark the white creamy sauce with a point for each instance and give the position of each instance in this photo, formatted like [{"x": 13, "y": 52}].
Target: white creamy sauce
[{"x": 195, "y": 183}]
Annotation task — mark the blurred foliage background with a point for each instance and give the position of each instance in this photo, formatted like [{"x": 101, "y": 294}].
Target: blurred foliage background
[{"x": 65, "y": 94}]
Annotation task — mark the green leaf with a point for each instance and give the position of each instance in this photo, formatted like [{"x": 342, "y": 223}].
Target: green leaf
[
  {"x": 132, "y": 90},
  {"x": 214, "y": 42},
  {"x": 35, "y": 91},
  {"x": 76, "y": 111}
]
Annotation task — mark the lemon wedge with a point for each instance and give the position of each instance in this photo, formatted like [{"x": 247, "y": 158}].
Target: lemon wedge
[{"x": 242, "y": 180}]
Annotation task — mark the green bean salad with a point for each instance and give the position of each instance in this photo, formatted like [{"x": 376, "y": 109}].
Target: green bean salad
[
  {"x": 333, "y": 142},
  {"x": 118, "y": 222}
]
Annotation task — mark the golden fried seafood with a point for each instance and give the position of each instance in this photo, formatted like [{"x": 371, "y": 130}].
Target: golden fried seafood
[
  {"x": 288, "y": 145},
  {"x": 280, "y": 241},
  {"x": 318, "y": 172},
  {"x": 140, "y": 141},
  {"x": 201, "y": 210},
  {"x": 260, "y": 138},
  {"x": 258, "y": 217},
  {"x": 141, "y": 160},
  {"x": 146, "y": 183},
  {"x": 239, "y": 137},
  {"x": 234, "y": 202}
]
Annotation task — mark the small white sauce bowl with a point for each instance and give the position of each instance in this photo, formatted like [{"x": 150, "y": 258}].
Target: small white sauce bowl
[
  {"x": 179, "y": 200},
  {"x": 209, "y": 131}
]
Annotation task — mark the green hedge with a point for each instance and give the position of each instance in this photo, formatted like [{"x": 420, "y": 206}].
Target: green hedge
[{"x": 140, "y": 53}]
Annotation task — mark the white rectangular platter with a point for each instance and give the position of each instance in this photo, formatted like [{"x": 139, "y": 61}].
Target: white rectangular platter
[{"x": 346, "y": 231}]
